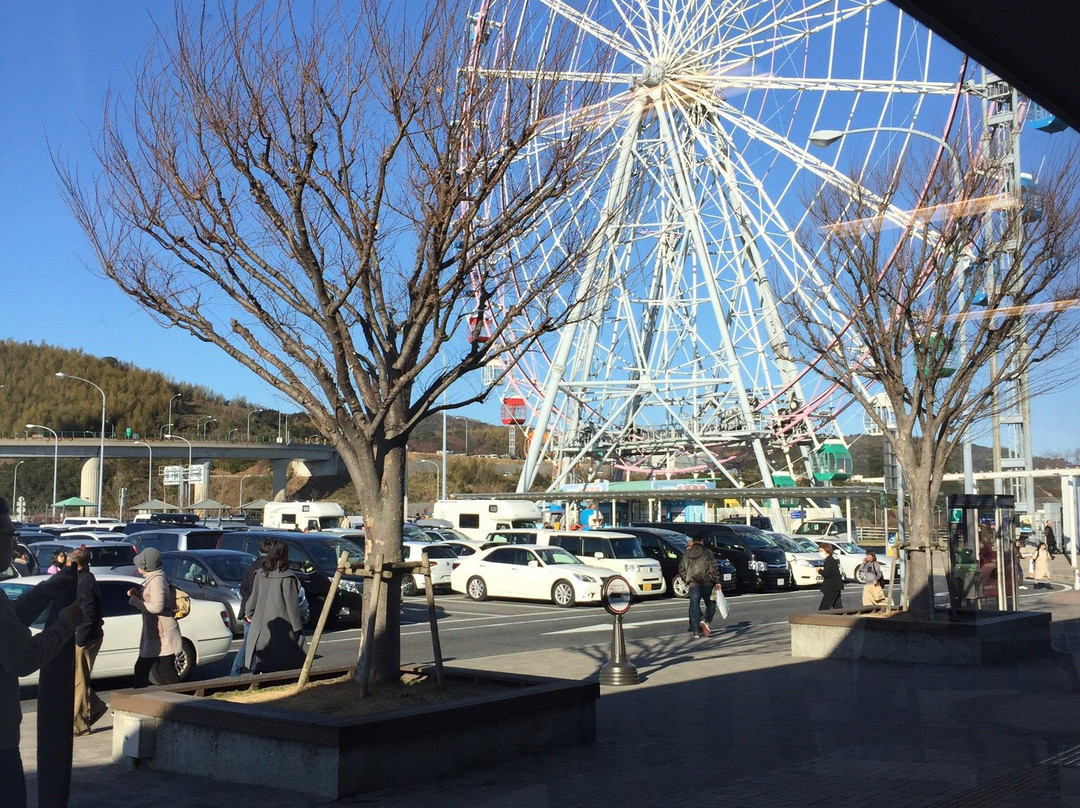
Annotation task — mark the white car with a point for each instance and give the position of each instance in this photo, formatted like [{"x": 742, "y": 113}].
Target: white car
[
  {"x": 206, "y": 631},
  {"x": 804, "y": 561},
  {"x": 442, "y": 558},
  {"x": 851, "y": 555},
  {"x": 528, "y": 572}
]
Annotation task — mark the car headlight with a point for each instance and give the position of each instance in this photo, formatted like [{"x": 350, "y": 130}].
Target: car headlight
[
  {"x": 345, "y": 585},
  {"x": 631, "y": 567},
  {"x": 235, "y": 590},
  {"x": 759, "y": 566},
  {"x": 584, "y": 578},
  {"x": 802, "y": 562}
]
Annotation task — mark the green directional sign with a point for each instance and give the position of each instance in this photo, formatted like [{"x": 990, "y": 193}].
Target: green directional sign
[{"x": 956, "y": 515}]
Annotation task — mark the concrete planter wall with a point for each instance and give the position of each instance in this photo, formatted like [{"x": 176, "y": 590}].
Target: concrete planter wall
[
  {"x": 177, "y": 729},
  {"x": 974, "y": 638}
]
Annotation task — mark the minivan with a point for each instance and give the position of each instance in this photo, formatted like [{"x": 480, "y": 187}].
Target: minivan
[
  {"x": 619, "y": 552},
  {"x": 760, "y": 563},
  {"x": 177, "y": 538},
  {"x": 668, "y": 547},
  {"x": 314, "y": 558}
]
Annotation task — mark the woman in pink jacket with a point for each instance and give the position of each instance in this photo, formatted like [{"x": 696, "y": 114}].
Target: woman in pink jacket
[{"x": 161, "y": 640}]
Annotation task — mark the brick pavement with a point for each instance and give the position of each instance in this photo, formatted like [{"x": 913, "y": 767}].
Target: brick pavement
[{"x": 735, "y": 721}]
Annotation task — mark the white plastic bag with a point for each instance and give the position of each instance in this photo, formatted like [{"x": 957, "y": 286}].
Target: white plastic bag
[{"x": 721, "y": 602}]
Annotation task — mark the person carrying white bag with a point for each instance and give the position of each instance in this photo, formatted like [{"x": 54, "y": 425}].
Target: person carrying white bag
[{"x": 698, "y": 569}]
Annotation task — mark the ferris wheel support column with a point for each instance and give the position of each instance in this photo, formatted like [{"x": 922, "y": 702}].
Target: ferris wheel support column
[{"x": 614, "y": 209}]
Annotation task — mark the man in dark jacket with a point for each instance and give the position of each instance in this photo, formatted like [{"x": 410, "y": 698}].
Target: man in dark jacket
[
  {"x": 89, "y": 706},
  {"x": 832, "y": 579},
  {"x": 698, "y": 569}
]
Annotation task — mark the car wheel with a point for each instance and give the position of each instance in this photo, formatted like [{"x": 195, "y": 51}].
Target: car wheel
[
  {"x": 408, "y": 585},
  {"x": 476, "y": 589},
  {"x": 860, "y": 576},
  {"x": 679, "y": 587},
  {"x": 562, "y": 594},
  {"x": 185, "y": 660}
]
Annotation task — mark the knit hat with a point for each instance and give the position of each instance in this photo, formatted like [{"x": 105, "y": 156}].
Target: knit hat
[{"x": 149, "y": 559}]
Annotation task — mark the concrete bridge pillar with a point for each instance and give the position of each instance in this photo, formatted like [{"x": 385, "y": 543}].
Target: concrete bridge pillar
[
  {"x": 281, "y": 475},
  {"x": 88, "y": 481},
  {"x": 201, "y": 490}
]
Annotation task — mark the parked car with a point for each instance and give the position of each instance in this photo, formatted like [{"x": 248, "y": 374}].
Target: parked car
[
  {"x": 177, "y": 538},
  {"x": 205, "y": 631},
  {"x": 760, "y": 564},
  {"x": 851, "y": 555},
  {"x": 13, "y": 572},
  {"x": 528, "y": 572},
  {"x": 805, "y": 564},
  {"x": 619, "y": 553},
  {"x": 314, "y": 558},
  {"x": 115, "y": 557},
  {"x": 442, "y": 558},
  {"x": 668, "y": 547},
  {"x": 32, "y": 535},
  {"x": 215, "y": 575},
  {"x": 465, "y": 547},
  {"x": 834, "y": 528}
]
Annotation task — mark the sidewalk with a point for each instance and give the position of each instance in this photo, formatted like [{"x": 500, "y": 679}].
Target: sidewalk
[{"x": 735, "y": 721}]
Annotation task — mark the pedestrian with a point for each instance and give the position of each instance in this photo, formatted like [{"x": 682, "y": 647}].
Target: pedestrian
[
  {"x": 832, "y": 579},
  {"x": 1020, "y": 554},
  {"x": 247, "y": 580},
  {"x": 21, "y": 561},
  {"x": 89, "y": 706},
  {"x": 873, "y": 593},
  {"x": 161, "y": 641},
  {"x": 275, "y": 638},
  {"x": 59, "y": 561},
  {"x": 23, "y": 653},
  {"x": 698, "y": 569},
  {"x": 1042, "y": 567},
  {"x": 1051, "y": 539}
]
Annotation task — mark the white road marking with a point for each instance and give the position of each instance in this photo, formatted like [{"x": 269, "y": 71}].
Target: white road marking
[{"x": 607, "y": 626}]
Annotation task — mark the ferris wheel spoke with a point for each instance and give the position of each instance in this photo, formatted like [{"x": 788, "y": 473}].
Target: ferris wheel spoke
[
  {"x": 590, "y": 26},
  {"x": 765, "y": 36}
]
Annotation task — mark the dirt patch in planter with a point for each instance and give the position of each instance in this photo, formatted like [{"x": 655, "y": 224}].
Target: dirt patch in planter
[{"x": 343, "y": 698}]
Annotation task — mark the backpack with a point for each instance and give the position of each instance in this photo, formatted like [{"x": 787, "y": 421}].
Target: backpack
[
  {"x": 182, "y": 601},
  {"x": 702, "y": 570}
]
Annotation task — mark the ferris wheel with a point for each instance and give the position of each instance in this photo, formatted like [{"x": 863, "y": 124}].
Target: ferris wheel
[{"x": 713, "y": 114}]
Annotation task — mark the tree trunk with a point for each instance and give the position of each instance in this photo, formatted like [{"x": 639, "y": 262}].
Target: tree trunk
[{"x": 919, "y": 584}]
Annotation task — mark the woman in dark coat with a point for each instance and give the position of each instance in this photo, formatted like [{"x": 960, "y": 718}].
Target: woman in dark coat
[
  {"x": 274, "y": 641},
  {"x": 832, "y": 580}
]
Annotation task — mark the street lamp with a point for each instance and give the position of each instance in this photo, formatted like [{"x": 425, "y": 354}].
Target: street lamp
[
  {"x": 15, "y": 482},
  {"x": 199, "y": 423},
  {"x": 55, "y": 460},
  {"x": 436, "y": 465},
  {"x": 253, "y": 412},
  {"x": 184, "y": 479},
  {"x": 824, "y": 138},
  {"x": 206, "y": 426},
  {"x": 229, "y": 434},
  {"x": 168, "y": 428},
  {"x": 242, "y": 486},
  {"x": 150, "y": 474},
  {"x": 101, "y": 461}
]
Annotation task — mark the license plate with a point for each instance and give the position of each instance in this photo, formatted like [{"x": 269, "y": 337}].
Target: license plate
[
  {"x": 781, "y": 581},
  {"x": 646, "y": 587},
  {"x": 727, "y": 577}
]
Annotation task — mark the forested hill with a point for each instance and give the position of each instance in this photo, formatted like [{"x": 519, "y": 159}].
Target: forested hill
[{"x": 135, "y": 398}]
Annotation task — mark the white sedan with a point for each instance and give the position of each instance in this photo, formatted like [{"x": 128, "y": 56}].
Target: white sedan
[
  {"x": 206, "y": 631},
  {"x": 441, "y": 559},
  {"x": 850, "y": 555},
  {"x": 529, "y": 572}
]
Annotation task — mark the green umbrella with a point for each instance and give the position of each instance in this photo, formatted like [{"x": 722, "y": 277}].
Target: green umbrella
[{"x": 73, "y": 502}]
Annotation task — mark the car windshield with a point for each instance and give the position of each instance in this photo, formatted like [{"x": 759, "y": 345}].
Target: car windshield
[
  {"x": 813, "y": 528},
  {"x": 627, "y": 548},
  {"x": 13, "y": 589},
  {"x": 229, "y": 567},
  {"x": 677, "y": 540},
  {"x": 806, "y": 546},
  {"x": 787, "y": 544},
  {"x": 117, "y": 555},
  {"x": 849, "y": 547},
  {"x": 755, "y": 538},
  {"x": 556, "y": 555},
  {"x": 327, "y": 551}
]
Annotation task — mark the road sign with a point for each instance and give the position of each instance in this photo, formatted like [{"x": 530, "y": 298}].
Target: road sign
[
  {"x": 172, "y": 475},
  {"x": 956, "y": 515},
  {"x": 196, "y": 474},
  {"x": 798, "y": 514}
]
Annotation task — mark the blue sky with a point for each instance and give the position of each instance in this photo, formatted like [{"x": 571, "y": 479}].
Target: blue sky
[{"x": 58, "y": 58}]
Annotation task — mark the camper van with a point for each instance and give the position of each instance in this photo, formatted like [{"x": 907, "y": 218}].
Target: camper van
[
  {"x": 478, "y": 517},
  {"x": 302, "y": 515}
]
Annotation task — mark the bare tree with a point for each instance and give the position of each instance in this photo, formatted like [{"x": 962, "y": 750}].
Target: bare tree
[
  {"x": 948, "y": 292},
  {"x": 354, "y": 207}
]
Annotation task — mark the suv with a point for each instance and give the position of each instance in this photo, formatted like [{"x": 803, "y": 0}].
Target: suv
[
  {"x": 619, "y": 552},
  {"x": 177, "y": 538},
  {"x": 759, "y": 562},
  {"x": 313, "y": 557},
  {"x": 835, "y": 528},
  {"x": 668, "y": 547},
  {"x": 116, "y": 557}
]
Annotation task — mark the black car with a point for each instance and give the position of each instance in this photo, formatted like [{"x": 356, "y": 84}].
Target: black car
[
  {"x": 761, "y": 565},
  {"x": 210, "y": 575},
  {"x": 668, "y": 547},
  {"x": 314, "y": 558}
]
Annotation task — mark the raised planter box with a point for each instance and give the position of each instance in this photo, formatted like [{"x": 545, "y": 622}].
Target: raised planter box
[
  {"x": 176, "y": 728},
  {"x": 973, "y": 638}
]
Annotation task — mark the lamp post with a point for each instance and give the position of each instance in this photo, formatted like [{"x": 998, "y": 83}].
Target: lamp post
[
  {"x": 242, "y": 486},
  {"x": 824, "y": 138},
  {"x": 15, "y": 482},
  {"x": 253, "y": 412},
  {"x": 436, "y": 465},
  {"x": 150, "y": 474},
  {"x": 55, "y": 461},
  {"x": 168, "y": 427},
  {"x": 199, "y": 423},
  {"x": 101, "y": 461},
  {"x": 206, "y": 426},
  {"x": 229, "y": 434},
  {"x": 184, "y": 478}
]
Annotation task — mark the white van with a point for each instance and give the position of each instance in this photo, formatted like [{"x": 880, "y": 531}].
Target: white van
[
  {"x": 303, "y": 515},
  {"x": 478, "y": 517},
  {"x": 619, "y": 552}
]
